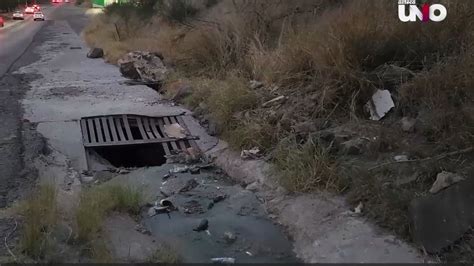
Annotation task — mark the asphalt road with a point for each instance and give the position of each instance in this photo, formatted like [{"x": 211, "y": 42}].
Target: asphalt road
[{"x": 18, "y": 140}]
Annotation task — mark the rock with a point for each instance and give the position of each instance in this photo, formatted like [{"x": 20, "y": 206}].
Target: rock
[
  {"x": 252, "y": 187},
  {"x": 143, "y": 65},
  {"x": 441, "y": 219},
  {"x": 203, "y": 225},
  {"x": 151, "y": 212},
  {"x": 210, "y": 205},
  {"x": 229, "y": 237},
  {"x": 123, "y": 171},
  {"x": 141, "y": 229},
  {"x": 408, "y": 124},
  {"x": 253, "y": 84},
  {"x": 195, "y": 170},
  {"x": 354, "y": 146},
  {"x": 190, "y": 185},
  {"x": 380, "y": 104},
  {"x": 444, "y": 180},
  {"x": 219, "y": 198},
  {"x": 212, "y": 128},
  {"x": 275, "y": 101},
  {"x": 95, "y": 53}
]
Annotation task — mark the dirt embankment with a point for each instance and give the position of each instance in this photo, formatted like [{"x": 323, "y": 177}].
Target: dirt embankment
[{"x": 337, "y": 96}]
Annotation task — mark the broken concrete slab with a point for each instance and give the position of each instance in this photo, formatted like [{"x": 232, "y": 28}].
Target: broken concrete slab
[
  {"x": 444, "y": 180},
  {"x": 441, "y": 219},
  {"x": 380, "y": 104}
]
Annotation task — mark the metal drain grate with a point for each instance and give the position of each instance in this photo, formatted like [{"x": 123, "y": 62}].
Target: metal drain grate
[{"x": 119, "y": 130}]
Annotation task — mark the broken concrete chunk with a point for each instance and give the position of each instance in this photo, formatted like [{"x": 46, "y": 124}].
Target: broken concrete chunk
[
  {"x": 408, "y": 124},
  {"x": 380, "y": 104},
  {"x": 444, "y": 180},
  {"x": 144, "y": 66},
  {"x": 250, "y": 154},
  {"x": 175, "y": 130},
  {"x": 441, "y": 219},
  {"x": 95, "y": 53}
]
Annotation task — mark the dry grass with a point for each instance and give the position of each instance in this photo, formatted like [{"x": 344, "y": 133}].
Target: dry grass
[
  {"x": 40, "y": 217},
  {"x": 165, "y": 254},
  {"x": 97, "y": 202},
  {"x": 306, "y": 166}
]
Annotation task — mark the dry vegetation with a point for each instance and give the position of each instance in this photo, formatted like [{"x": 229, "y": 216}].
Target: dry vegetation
[{"x": 327, "y": 57}]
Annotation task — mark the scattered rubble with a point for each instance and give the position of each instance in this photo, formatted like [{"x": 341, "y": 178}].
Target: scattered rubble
[
  {"x": 95, "y": 53},
  {"x": 144, "y": 66},
  {"x": 380, "y": 104},
  {"x": 250, "y": 154},
  {"x": 175, "y": 130},
  {"x": 444, "y": 180}
]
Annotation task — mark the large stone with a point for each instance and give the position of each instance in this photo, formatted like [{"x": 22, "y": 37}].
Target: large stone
[
  {"x": 95, "y": 53},
  {"x": 145, "y": 66},
  {"x": 441, "y": 219}
]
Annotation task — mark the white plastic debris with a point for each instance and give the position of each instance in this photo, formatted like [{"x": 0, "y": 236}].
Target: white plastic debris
[
  {"x": 223, "y": 260},
  {"x": 250, "y": 154},
  {"x": 175, "y": 131},
  {"x": 380, "y": 104},
  {"x": 400, "y": 158},
  {"x": 444, "y": 180},
  {"x": 248, "y": 253},
  {"x": 359, "y": 207},
  {"x": 177, "y": 169}
]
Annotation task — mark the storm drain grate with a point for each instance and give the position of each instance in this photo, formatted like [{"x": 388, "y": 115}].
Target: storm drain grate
[{"x": 126, "y": 129}]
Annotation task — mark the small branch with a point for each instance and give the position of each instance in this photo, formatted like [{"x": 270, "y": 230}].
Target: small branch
[{"x": 438, "y": 157}]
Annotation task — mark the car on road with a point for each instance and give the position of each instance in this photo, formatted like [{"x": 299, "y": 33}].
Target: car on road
[
  {"x": 2, "y": 23},
  {"x": 18, "y": 15},
  {"x": 38, "y": 16},
  {"x": 29, "y": 10}
]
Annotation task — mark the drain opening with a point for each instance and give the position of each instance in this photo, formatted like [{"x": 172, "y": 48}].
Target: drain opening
[{"x": 133, "y": 155}]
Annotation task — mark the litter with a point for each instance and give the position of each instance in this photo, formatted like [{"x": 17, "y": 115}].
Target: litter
[
  {"x": 177, "y": 169},
  {"x": 275, "y": 100},
  {"x": 250, "y": 154},
  {"x": 223, "y": 260},
  {"x": 248, "y": 253},
  {"x": 359, "y": 207},
  {"x": 400, "y": 158},
  {"x": 175, "y": 131},
  {"x": 380, "y": 104}
]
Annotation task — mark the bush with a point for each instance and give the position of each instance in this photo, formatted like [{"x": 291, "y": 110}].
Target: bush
[{"x": 176, "y": 10}]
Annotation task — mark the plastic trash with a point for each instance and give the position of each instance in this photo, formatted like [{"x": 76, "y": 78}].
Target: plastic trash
[{"x": 223, "y": 260}]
